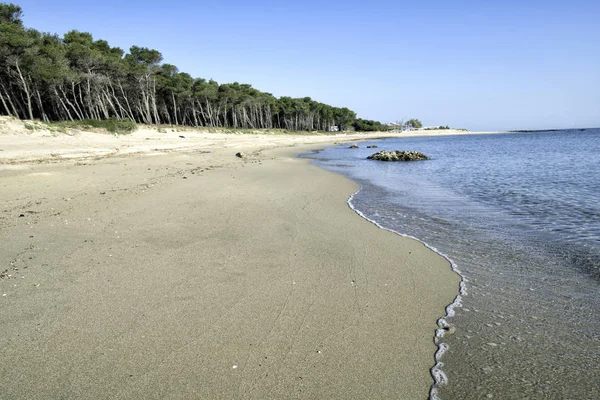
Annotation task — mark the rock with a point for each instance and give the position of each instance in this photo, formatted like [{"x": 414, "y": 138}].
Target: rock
[
  {"x": 181, "y": 136},
  {"x": 354, "y": 146},
  {"x": 241, "y": 155},
  {"x": 373, "y": 146},
  {"x": 398, "y": 155}
]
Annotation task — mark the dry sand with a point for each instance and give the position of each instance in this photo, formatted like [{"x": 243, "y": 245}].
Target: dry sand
[
  {"x": 18, "y": 144},
  {"x": 195, "y": 274}
]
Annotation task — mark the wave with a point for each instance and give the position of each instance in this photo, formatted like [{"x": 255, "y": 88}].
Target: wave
[{"x": 444, "y": 326}]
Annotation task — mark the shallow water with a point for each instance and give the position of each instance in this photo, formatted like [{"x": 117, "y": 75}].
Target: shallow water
[{"x": 519, "y": 215}]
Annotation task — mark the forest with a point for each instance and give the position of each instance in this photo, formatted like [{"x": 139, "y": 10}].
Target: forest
[{"x": 76, "y": 78}]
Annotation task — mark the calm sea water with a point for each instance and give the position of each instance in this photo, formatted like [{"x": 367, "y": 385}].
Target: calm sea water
[{"x": 519, "y": 215}]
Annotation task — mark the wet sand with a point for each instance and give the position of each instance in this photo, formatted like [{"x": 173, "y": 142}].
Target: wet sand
[{"x": 196, "y": 274}]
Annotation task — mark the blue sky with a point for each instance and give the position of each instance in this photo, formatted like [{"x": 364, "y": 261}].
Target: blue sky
[{"x": 481, "y": 65}]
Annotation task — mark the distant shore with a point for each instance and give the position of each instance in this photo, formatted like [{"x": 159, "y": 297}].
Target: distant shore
[
  {"x": 194, "y": 273},
  {"x": 546, "y": 130}
]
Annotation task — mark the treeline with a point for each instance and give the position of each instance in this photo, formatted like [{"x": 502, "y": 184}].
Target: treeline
[
  {"x": 437, "y": 128},
  {"x": 367, "y": 125},
  {"x": 73, "y": 78},
  {"x": 413, "y": 123}
]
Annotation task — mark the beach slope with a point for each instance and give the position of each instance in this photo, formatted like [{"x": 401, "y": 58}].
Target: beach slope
[{"x": 202, "y": 275}]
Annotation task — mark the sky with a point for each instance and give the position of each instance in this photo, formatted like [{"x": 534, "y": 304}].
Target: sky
[{"x": 479, "y": 65}]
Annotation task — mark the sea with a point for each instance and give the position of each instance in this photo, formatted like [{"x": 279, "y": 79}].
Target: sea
[{"x": 518, "y": 217}]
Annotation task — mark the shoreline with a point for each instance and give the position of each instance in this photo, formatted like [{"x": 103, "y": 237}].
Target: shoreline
[
  {"x": 20, "y": 145},
  {"x": 438, "y": 375},
  {"x": 195, "y": 273}
]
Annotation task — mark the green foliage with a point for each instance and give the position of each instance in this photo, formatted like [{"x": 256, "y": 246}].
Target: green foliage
[
  {"x": 112, "y": 125},
  {"x": 365, "y": 125},
  {"x": 86, "y": 82},
  {"x": 414, "y": 123},
  {"x": 441, "y": 127},
  {"x": 10, "y": 14},
  {"x": 143, "y": 56}
]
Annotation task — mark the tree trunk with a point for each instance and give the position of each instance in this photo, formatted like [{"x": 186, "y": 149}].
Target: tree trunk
[
  {"x": 126, "y": 101},
  {"x": 6, "y": 106},
  {"x": 174, "y": 108},
  {"x": 79, "y": 116},
  {"x": 63, "y": 104},
  {"x": 41, "y": 106},
  {"x": 26, "y": 89}
]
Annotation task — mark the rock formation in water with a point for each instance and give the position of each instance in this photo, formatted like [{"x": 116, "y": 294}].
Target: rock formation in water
[{"x": 398, "y": 155}]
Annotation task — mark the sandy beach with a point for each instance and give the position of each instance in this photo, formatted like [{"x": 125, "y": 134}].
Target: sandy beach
[{"x": 159, "y": 266}]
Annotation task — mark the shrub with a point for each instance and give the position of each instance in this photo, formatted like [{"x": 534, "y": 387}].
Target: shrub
[{"x": 113, "y": 125}]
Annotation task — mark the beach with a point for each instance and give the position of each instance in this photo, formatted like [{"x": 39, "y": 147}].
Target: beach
[
  {"x": 160, "y": 265},
  {"x": 519, "y": 221}
]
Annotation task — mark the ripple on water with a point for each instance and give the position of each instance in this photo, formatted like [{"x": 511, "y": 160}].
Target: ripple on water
[{"x": 522, "y": 224}]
